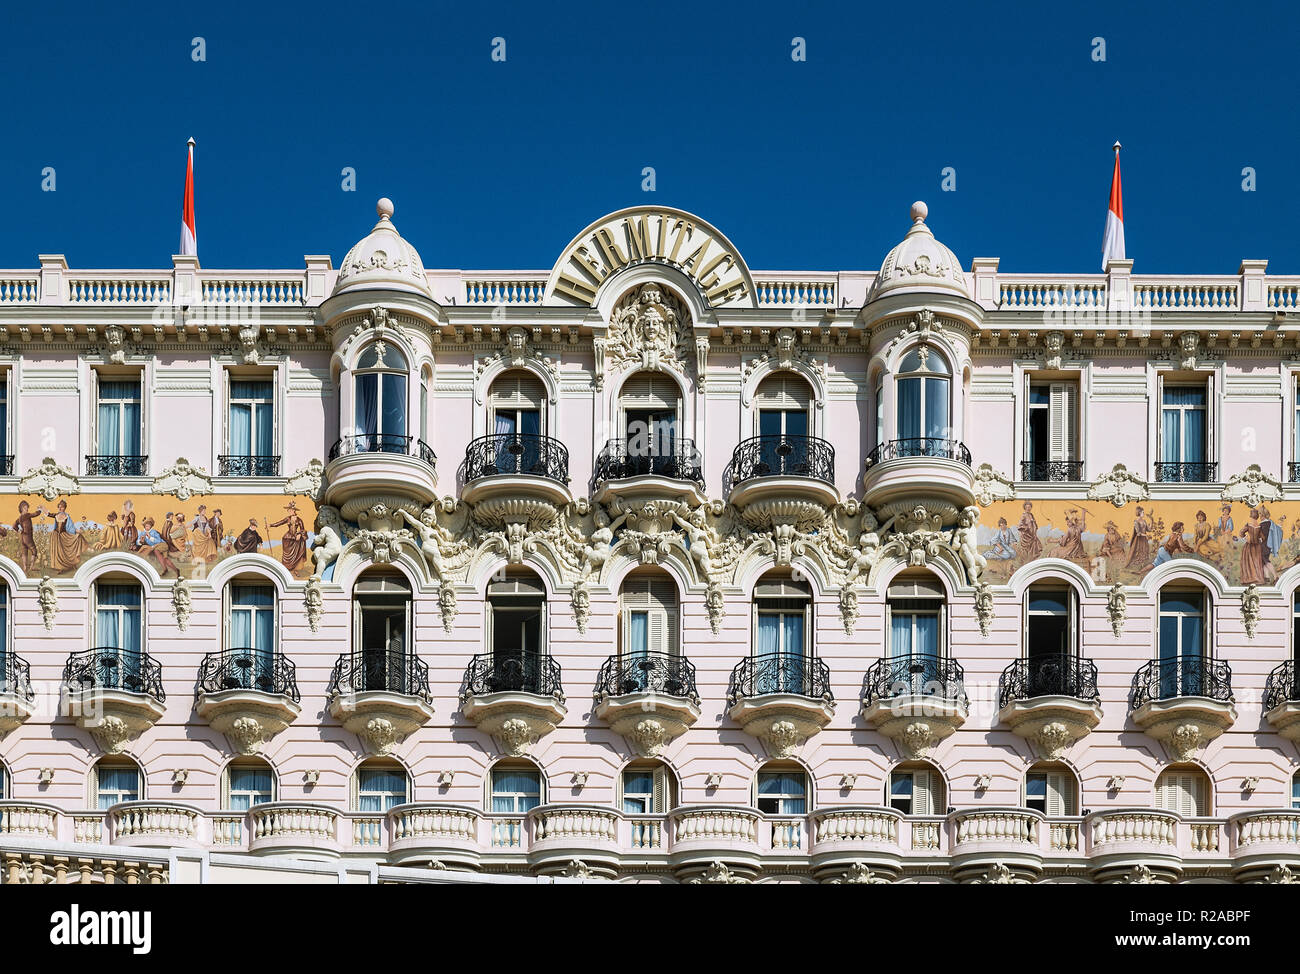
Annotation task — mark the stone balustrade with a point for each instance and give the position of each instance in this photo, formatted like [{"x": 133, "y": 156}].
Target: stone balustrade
[
  {"x": 1011, "y": 827},
  {"x": 293, "y": 827},
  {"x": 164, "y": 824}
]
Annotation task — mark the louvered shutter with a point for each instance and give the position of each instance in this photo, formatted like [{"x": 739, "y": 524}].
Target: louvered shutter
[
  {"x": 645, "y": 391},
  {"x": 924, "y": 797},
  {"x": 1062, "y": 407},
  {"x": 782, "y": 392},
  {"x": 1182, "y": 793},
  {"x": 657, "y": 631},
  {"x": 489, "y": 645},
  {"x": 659, "y": 801},
  {"x": 1060, "y": 795},
  {"x": 1209, "y": 421}
]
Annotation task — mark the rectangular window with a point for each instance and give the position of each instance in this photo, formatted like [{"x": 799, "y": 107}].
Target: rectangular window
[
  {"x": 1183, "y": 425},
  {"x": 117, "y": 419},
  {"x": 1182, "y": 644},
  {"x": 6, "y": 460},
  {"x": 1048, "y": 629},
  {"x": 249, "y": 787},
  {"x": 117, "y": 627},
  {"x": 515, "y": 791},
  {"x": 779, "y": 641},
  {"x": 116, "y": 785},
  {"x": 379, "y": 789},
  {"x": 250, "y": 430},
  {"x": 1050, "y": 429},
  {"x": 1295, "y": 792},
  {"x": 643, "y": 792},
  {"x": 782, "y": 793}
]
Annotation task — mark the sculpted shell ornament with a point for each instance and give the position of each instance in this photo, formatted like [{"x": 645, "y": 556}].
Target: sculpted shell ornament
[
  {"x": 1119, "y": 487},
  {"x": 49, "y": 480}
]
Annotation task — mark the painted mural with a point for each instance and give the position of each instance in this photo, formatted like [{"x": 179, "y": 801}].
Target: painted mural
[
  {"x": 1247, "y": 545},
  {"x": 180, "y": 539}
]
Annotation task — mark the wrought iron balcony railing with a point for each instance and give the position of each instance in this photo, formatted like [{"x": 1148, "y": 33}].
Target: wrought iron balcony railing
[
  {"x": 1052, "y": 471},
  {"x": 779, "y": 455},
  {"x": 382, "y": 443},
  {"x": 918, "y": 675},
  {"x": 233, "y": 465},
  {"x": 940, "y": 447},
  {"x": 7, "y": 465},
  {"x": 518, "y": 672},
  {"x": 677, "y": 460},
  {"x": 1054, "y": 675},
  {"x": 647, "y": 673},
  {"x": 110, "y": 668},
  {"x": 248, "y": 669},
  {"x": 756, "y": 676},
  {"x": 1186, "y": 473},
  {"x": 16, "y": 676},
  {"x": 507, "y": 454},
  {"x": 1280, "y": 687},
  {"x": 389, "y": 671},
  {"x": 113, "y": 466},
  {"x": 1293, "y": 471},
  {"x": 1192, "y": 675}
]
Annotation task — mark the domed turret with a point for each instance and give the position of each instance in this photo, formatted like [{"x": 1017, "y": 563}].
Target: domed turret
[
  {"x": 920, "y": 263},
  {"x": 383, "y": 260}
]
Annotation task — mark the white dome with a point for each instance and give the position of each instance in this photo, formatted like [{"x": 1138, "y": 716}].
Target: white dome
[
  {"x": 383, "y": 259},
  {"x": 920, "y": 263}
]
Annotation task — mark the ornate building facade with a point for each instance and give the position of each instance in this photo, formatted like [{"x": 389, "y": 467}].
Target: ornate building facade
[{"x": 648, "y": 567}]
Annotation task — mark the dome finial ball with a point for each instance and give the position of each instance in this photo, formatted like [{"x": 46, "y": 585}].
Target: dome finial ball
[
  {"x": 384, "y": 208},
  {"x": 919, "y": 211}
]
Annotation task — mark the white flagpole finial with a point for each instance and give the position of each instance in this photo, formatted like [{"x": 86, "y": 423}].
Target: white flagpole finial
[
  {"x": 191, "y": 143},
  {"x": 1115, "y": 146}
]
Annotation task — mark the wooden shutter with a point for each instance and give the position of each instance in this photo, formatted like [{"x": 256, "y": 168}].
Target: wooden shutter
[
  {"x": 783, "y": 391},
  {"x": 1160, "y": 417},
  {"x": 225, "y": 788},
  {"x": 658, "y": 598},
  {"x": 659, "y": 800},
  {"x": 924, "y": 793},
  {"x": 1060, "y": 794},
  {"x": 646, "y": 391},
  {"x": 1209, "y": 421},
  {"x": 543, "y": 644},
  {"x": 657, "y": 631},
  {"x": 1062, "y": 407},
  {"x": 488, "y": 646},
  {"x": 1183, "y": 793}
]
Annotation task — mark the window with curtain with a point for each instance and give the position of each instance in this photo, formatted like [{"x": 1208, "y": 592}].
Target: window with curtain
[
  {"x": 1295, "y": 791},
  {"x": 516, "y": 419},
  {"x": 5, "y": 675},
  {"x": 117, "y": 418},
  {"x": 915, "y": 608},
  {"x": 1295, "y": 628},
  {"x": 379, "y": 789},
  {"x": 4, "y": 415},
  {"x": 117, "y": 627},
  {"x": 782, "y": 609},
  {"x": 915, "y": 791},
  {"x": 252, "y": 629},
  {"x": 516, "y": 631},
  {"x": 381, "y": 619},
  {"x": 379, "y": 387},
  {"x": 923, "y": 384},
  {"x": 638, "y": 792},
  {"x": 116, "y": 783},
  {"x": 1182, "y": 643},
  {"x": 651, "y": 408},
  {"x": 252, "y": 418},
  {"x": 248, "y": 786},
  {"x": 1050, "y": 792},
  {"x": 782, "y": 792},
  {"x": 4, "y": 783},
  {"x": 783, "y": 401},
  {"x": 1183, "y": 425},
  {"x": 515, "y": 790}
]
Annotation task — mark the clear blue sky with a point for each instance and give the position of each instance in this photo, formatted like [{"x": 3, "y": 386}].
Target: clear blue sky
[{"x": 803, "y": 165}]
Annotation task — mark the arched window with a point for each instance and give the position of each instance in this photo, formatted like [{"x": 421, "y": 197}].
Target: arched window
[
  {"x": 250, "y": 635},
  {"x": 245, "y": 783},
  {"x": 379, "y": 385},
  {"x": 4, "y": 782},
  {"x": 783, "y": 400},
  {"x": 1051, "y": 789},
  {"x": 517, "y": 787},
  {"x": 1184, "y": 641},
  {"x": 381, "y": 633},
  {"x": 782, "y": 634},
  {"x": 1295, "y": 791},
  {"x": 924, "y": 386},
  {"x": 650, "y": 407},
  {"x": 1184, "y": 789},
  {"x": 916, "y": 609},
  {"x": 114, "y": 779},
  {"x": 517, "y": 420},
  {"x": 515, "y": 631},
  {"x": 646, "y": 788},
  {"x": 378, "y": 786},
  {"x": 915, "y": 788},
  {"x": 781, "y": 789},
  {"x": 119, "y": 635}
]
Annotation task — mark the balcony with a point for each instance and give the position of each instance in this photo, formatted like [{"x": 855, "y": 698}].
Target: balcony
[
  {"x": 852, "y": 837},
  {"x": 113, "y": 466},
  {"x": 1293, "y": 471},
  {"x": 1052, "y": 471},
  {"x": 366, "y": 469},
  {"x": 17, "y": 698},
  {"x": 715, "y": 843},
  {"x": 6, "y": 464},
  {"x": 516, "y": 478},
  {"x": 1184, "y": 702},
  {"x": 151, "y": 823},
  {"x": 294, "y": 829},
  {"x": 1282, "y": 700},
  {"x": 916, "y": 700},
  {"x": 229, "y": 465},
  {"x": 420, "y": 833},
  {"x": 1051, "y": 700},
  {"x": 668, "y": 474},
  {"x": 896, "y": 469},
  {"x": 650, "y": 699},
  {"x": 562, "y": 833},
  {"x": 382, "y": 696},
  {"x": 986, "y": 838},
  {"x": 248, "y": 695},
  {"x": 1263, "y": 842},
  {"x": 1186, "y": 473},
  {"x": 114, "y": 693},
  {"x": 781, "y": 698},
  {"x": 517, "y": 697},
  {"x": 1125, "y": 839},
  {"x": 780, "y": 482}
]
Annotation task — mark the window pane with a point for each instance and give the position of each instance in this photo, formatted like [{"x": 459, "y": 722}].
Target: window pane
[
  {"x": 1186, "y": 602},
  {"x": 1048, "y": 601}
]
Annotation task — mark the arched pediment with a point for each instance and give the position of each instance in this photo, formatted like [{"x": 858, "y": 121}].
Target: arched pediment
[{"x": 651, "y": 235}]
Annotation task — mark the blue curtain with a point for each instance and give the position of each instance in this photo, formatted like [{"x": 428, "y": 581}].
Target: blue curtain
[
  {"x": 936, "y": 407},
  {"x": 241, "y": 429},
  {"x": 118, "y": 785},
  {"x": 789, "y": 785},
  {"x": 119, "y": 418},
  {"x": 110, "y": 429},
  {"x": 900, "y": 635},
  {"x": 638, "y": 633},
  {"x": 927, "y": 635},
  {"x": 792, "y": 652},
  {"x": 392, "y": 784},
  {"x": 1194, "y": 436},
  {"x": 909, "y": 409},
  {"x": 4, "y": 420},
  {"x": 638, "y": 792},
  {"x": 1171, "y": 437},
  {"x": 769, "y": 628},
  {"x": 394, "y": 418},
  {"x": 515, "y": 791},
  {"x": 255, "y": 784},
  {"x": 4, "y": 644},
  {"x": 367, "y": 406}
]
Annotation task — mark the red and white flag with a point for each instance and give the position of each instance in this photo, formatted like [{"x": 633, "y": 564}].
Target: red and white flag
[
  {"x": 1112, "y": 247},
  {"x": 189, "y": 238}
]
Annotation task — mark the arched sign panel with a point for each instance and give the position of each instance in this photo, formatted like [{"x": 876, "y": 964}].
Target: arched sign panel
[{"x": 651, "y": 235}]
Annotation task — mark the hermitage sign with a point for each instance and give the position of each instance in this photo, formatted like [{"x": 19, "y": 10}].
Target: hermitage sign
[{"x": 651, "y": 235}]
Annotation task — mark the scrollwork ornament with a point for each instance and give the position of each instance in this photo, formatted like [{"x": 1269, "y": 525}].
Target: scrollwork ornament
[
  {"x": 1117, "y": 608},
  {"x": 182, "y": 603},
  {"x": 1250, "y": 609},
  {"x": 314, "y": 603}
]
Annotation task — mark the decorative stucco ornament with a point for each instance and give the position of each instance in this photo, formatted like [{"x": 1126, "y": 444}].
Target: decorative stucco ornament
[
  {"x": 246, "y": 735},
  {"x": 848, "y": 609},
  {"x": 383, "y": 546},
  {"x": 782, "y": 738},
  {"x": 784, "y": 355},
  {"x": 48, "y": 598},
  {"x": 581, "y": 604},
  {"x": 49, "y": 480},
  {"x": 383, "y": 260},
  {"x": 991, "y": 486},
  {"x": 714, "y": 603},
  {"x": 313, "y": 602},
  {"x": 248, "y": 343},
  {"x": 380, "y": 735},
  {"x": 111, "y": 734},
  {"x": 649, "y": 329},
  {"x": 115, "y": 337},
  {"x": 1140, "y": 875},
  {"x": 518, "y": 355},
  {"x": 307, "y": 482},
  {"x": 1119, "y": 486},
  {"x": 999, "y": 874},
  {"x": 1053, "y": 343},
  {"x": 182, "y": 480},
  {"x": 918, "y": 739},
  {"x": 328, "y": 543},
  {"x": 1188, "y": 343},
  {"x": 965, "y": 541},
  {"x": 1185, "y": 740},
  {"x": 1250, "y": 609},
  {"x": 1251, "y": 487},
  {"x": 1281, "y": 875},
  {"x": 701, "y": 360},
  {"x": 576, "y": 869},
  {"x": 984, "y": 607},
  {"x": 1116, "y": 783},
  {"x": 648, "y": 738},
  {"x": 516, "y": 737},
  {"x": 717, "y": 874},
  {"x": 1053, "y": 739},
  {"x": 1117, "y": 608},
  {"x": 857, "y": 874},
  {"x": 920, "y": 263},
  {"x": 447, "y": 606},
  {"x": 182, "y": 603}
]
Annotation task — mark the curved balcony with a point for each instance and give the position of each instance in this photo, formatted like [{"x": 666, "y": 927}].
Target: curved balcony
[
  {"x": 666, "y": 471},
  {"x": 29, "y": 820},
  {"x": 706, "y": 837},
  {"x": 1121, "y": 839},
  {"x": 781, "y": 698},
  {"x": 1051, "y": 700},
  {"x": 563, "y": 833},
  {"x": 988, "y": 837},
  {"x": 851, "y": 837},
  {"x": 916, "y": 700},
  {"x": 938, "y": 467},
  {"x": 649, "y": 698},
  {"x": 294, "y": 829},
  {"x": 1184, "y": 702},
  {"x": 779, "y": 478},
  {"x": 516, "y": 697},
  {"x": 422, "y": 832},
  {"x": 1281, "y": 700},
  {"x": 524, "y": 467},
  {"x": 248, "y": 695},
  {"x": 150, "y": 823},
  {"x": 114, "y": 693},
  {"x": 17, "y": 698},
  {"x": 364, "y": 469},
  {"x": 380, "y": 695},
  {"x": 1263, "y": 841}
]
